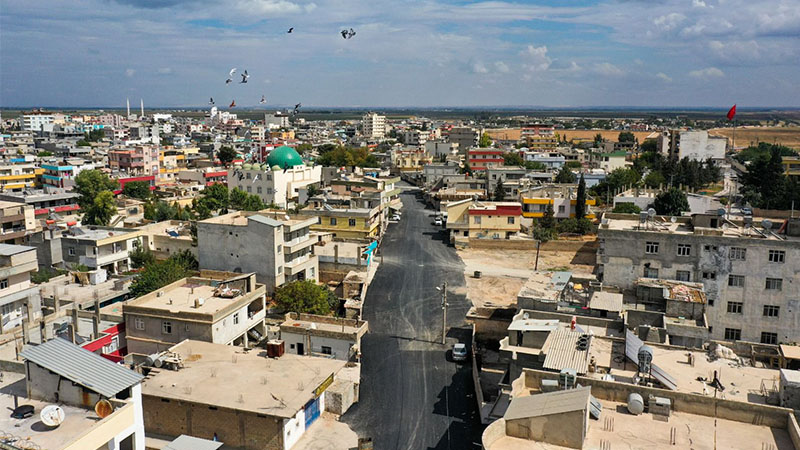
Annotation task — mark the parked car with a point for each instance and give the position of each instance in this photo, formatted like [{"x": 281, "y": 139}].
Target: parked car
[
  {"x": 747, "y": 211},
  {"x": 459, "y": 352},
  {"x": 394, "y": 217},
  {"x": 438, "y": 221}
]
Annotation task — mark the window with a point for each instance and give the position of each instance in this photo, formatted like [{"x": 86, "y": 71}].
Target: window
[
  {"x": 115, "y": 247},
  {"x": 738, "y": 253},
  {"x": 138, "y": 323},
  {"x": 311, "y": 272},
  {"x": 684, "y": 250},
  {"x": 258, "y": 189},
  {"x": 280, "y": 269},
  {"x": 71, "y": 251},
  {"x": 651, "y": 247},
  {"x": 709, "y": 275},
  {"x": 4, "y": 283},
  {"x": 166, "y": 327},
  {"x": 736, "y": 280},
  {"x": 777, "y": 256},
  {"x": 326, "y": 350},
  {"x": 771, "y": 310},
  {"x": 7, "y": 308},
  {"x": 683, "y": 275},
  {"x": 511, "y": 221},
  {"x": 774, "y": 284},
  {"x": 351, "y": 222},
  {"x": 735, "y": 307},
  {"x": 279, "y": 248},
  {"x": 248, "y": 175},
  {"x": 561, "y": 209},
  {"x": 249, "y": 189},
  {"x": 733, "y": 334},
  {"x": 769, "y": 338},
  {"x": 649, "y": 272},
  {"x": 236, "y": 318},
  {"x": 710, "y": 248},
  {"x": 477, "y": 219},
  {"x": 333, "y": 220}
]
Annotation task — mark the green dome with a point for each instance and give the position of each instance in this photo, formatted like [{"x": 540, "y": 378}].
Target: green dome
[{"x": 284, "y": 157}]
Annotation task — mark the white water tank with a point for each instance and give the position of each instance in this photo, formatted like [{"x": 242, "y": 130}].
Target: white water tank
[{"x": 635, "y": 404}]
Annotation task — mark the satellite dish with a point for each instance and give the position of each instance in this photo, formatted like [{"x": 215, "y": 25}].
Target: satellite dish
[
  {"x": 103, "y": 408},
  {"x": 721, "y": 212},
  {"x": 651, "y": 212},
  {"x": 673, "y": 219},
  {"x": 52, "y": 415},
  {"x": 767, "y": 224},
  {"x": 526, "y": 316}
]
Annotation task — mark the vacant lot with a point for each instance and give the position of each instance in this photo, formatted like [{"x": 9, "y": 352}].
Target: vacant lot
[{"x": 746, "y": 136}]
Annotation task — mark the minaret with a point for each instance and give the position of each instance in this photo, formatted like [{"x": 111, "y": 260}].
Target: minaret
[
  {"x": 128, "y": 101},
  {"x": 142, "y": 100}
]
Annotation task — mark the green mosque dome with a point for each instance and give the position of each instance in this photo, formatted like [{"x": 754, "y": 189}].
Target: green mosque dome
[{"x": 284, "y": 157}]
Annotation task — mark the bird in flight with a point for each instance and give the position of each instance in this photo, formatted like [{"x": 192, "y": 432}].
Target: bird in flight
[
  {"x": 290, "y": 30},
  {"x": 211, "y": 101},
  {"x": 348, "y": 34},
  {"x": 296, "y": 108},
  {"x": 233, "y": 104},
  {"x": 263, "y": 100},
  {"x": 245, "y": 76}
]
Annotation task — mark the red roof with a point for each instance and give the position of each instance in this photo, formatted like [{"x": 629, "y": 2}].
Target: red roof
[
  {"x": 57, "y": 209},
  {"x": 215, "y": 174},
  {"x": 485, "y": 152},
  {"x": 515, "y": 210}
]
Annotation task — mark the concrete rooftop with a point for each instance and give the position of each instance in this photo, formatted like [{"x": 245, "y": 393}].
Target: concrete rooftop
[
  {"x": 181, "y": 298},
  {"x": 230, "y": 377}
]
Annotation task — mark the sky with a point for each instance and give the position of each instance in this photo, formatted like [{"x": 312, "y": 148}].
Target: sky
[{"x": 550, "y": 53}]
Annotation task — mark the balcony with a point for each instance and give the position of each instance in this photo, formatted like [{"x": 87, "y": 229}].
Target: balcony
[
  {"x": 102, "y": 260},
  {"x": 299, "y": 265},
  {"x": 298, "y": 244}
]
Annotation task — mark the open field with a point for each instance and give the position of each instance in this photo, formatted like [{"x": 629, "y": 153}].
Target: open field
[{"x": 746, "y": 136}]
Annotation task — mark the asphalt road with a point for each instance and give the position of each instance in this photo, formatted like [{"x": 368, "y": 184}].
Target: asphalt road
[{"x": 412, "y": 395}]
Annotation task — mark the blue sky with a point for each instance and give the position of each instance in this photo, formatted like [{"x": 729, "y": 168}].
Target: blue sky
[{"x": 570, "y": 53}]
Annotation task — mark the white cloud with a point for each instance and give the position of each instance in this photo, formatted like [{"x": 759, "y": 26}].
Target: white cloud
[
  {"x": 664, "y": 77},
  {"x": 669, "y": 21},
  {"x": 276, "y": 7},
  {"x": 698, "y": 4},
  {"x": 130, "y": 72},
  {"x": 164, "y": 71},
  {"x": 536, "y": 58},
  {"x": 501, "y": 67},
  {"x": 479, "y": 67},
  {"x": 608, "y": 69},
  {"x": 707, "y": 73}
]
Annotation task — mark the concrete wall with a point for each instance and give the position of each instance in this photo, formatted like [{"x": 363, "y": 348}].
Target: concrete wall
[
  {"x": 566, "y": 429},
  {"x": 794, "y": 431},
  {"x": 506, "y": 244},
  {"x": 737, "y": 411},
  {"x": 235, "y": 428},
  {"x": 48, "y": 387},
  {"x": 495, "y": 431},
  {"x": 340, "y": 396},
  {"x": 340, "y": 348}
]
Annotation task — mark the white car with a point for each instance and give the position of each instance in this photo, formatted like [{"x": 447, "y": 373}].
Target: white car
[
  {"x": 394, "y": 217},
  {"x": 437, "y": 221},
  {"x": 459, "y": 352}
]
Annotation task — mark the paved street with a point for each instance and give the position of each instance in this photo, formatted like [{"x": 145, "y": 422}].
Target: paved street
[{"x": 412, "y": 395}]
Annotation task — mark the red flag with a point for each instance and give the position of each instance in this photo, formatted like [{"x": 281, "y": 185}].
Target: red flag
[{"x": 732, "y": 112}]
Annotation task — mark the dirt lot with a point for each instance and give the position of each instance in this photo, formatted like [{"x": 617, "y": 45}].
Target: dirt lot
[
  {"x": 788, "y": 136},
  {"x": 503, "y": 272}
]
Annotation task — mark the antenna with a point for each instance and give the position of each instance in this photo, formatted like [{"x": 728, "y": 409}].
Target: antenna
[{"x": 52, "y": 415}]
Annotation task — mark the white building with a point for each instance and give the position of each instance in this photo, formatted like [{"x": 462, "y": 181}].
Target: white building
[
  {"x": 19, "y": 299},
  {"x": 699, "y": 146},
  {"x": 37, "y": 122},
  {"x": 373, "y": 126},
  {"x": 277, "y": 120},
  {"x": 277, "y": 181}
]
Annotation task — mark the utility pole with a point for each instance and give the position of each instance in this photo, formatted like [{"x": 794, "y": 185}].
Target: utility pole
[{"x": 444, "y": 312}]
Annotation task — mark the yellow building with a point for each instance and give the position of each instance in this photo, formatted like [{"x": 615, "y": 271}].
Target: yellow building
[
  {"x": 346, "y": 222},
  {"x": 470, "y": 219},
  {"x": 563, "y": 198},
  {"x": 791, "y": 166},
  {"x": 16, "y": 177}
]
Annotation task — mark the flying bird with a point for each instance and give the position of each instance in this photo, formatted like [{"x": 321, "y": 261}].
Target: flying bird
[
  {"x": 211, "y": 101},
  {"x": 263, "y": 100},
  {"x": 348, "y": 34},
  {"x": 290, "y": 30},
  {"x": 233, "y": 71},
  {"x": 296, "y": 107},
  {"x": 245, "y": 76},
  {"x": 233, "y": 104},
  {"x": 229, "y": 81}
]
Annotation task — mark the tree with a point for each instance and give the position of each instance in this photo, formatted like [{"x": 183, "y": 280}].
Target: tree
[
  {"x": 535, "y": 165},
  {"x": 157, "y": 275},
  {"x": 626, "y": 208},
  {"x": 485, "y": 141},
  {"x": 312, "y": 190},
  {"x": 216, "y": 196},
  {"x": 44, "y": 154},
  {"x": 626, "y": 136},
  {"x": 304, "y": 297},
  {"x": 466, "y": 169},
  {"x": 101, "y": 211},
  {"x": 89, "y": 183},
  {"x": 548, "y": 220},
  {"x": 649, "y": 146},
  {"x": 186, "y": 259},
  {"x": 512, "y": 159},
  {"x": 95, "y": 135},
  {"x": 303, "y": 148},
  {"x": 242, "y": 201},
  {"x": 766, "y": 186},
  {"x": 565, "y": 175},
  {"x": 226, "y": 155},
  {"x": 137, "y": 189},
  {"x": 83, "y": 143},
  {"x": 654, "y": 179},
  {"x": 499, "y": 191},
  {"x": 580, "y": 200},
  {"x": 346, "y": 157},
  {"x": 140, "y": 256},
  {"x": 671, "y": 202},
  {"x": 598, "y": 140}
]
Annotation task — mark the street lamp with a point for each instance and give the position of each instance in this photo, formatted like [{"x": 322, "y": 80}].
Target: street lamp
[{"x": 443, "y": 290}]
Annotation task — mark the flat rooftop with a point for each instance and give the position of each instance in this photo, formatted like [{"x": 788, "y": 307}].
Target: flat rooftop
[
  {"x": 663, "y": 225},
  {"x": 301, "y": 326},
  {"x": 231, "y": 377},
  {"x": 77, "y": 421},
  {"x": 96, "y": 233},
  {"x": 643, "y": 431},
  {"x": 240, "y": 218},
  {"x": 742, "y": 383},
  {"x": 545, "y": 285},
  {"x": 181, "y": 298}
]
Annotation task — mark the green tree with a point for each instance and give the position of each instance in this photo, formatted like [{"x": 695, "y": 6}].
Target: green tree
[
  {"x": 565, "y": 175},
  {"x": 137, "y": 189},
  {"x": 466, "y": 169},
  {"x": 654, "y": 179},
  {"x": 304, "y": 297},
  {"x": 95, "y": 135},
  {"x": 573, "y": 165},
  {"x": 157, "y": 275},
  {"x": 90, "y": 183},
  {"x": 44, "y": 154},
  {"x": 598, "y": 140},
  {"x": 512, "y": 159},
  {"x": 304, "y": 148},
  {"x": 499, "y": 192},
  {"x": 485, "y": 141},
  {"x": 216, "y": 196},
  {"x": 347, "y": 157},
  {"x": 140, "y": 256},
  {"x": 535, "y": 165},
  {"x": 626, "y": 208},
  {"x": 101, "y": 211},
  {"x": 580, "y": 200},
  {"x": 83, "y": 143},
  {"x": 548, "y": 220},
  {"x": 226, "y": 155},
  {"x": 765, "y": 185},
  {"x": 312, "y": 190},
  {"x": 186, "y": 259},
  {"x": 626, "y": 136},
  {"x": 671, "y": 202},
  {"x": 649, "y": 146}
]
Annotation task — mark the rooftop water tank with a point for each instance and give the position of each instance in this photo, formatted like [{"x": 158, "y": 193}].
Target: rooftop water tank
[{"x": 635, "y": 404}]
